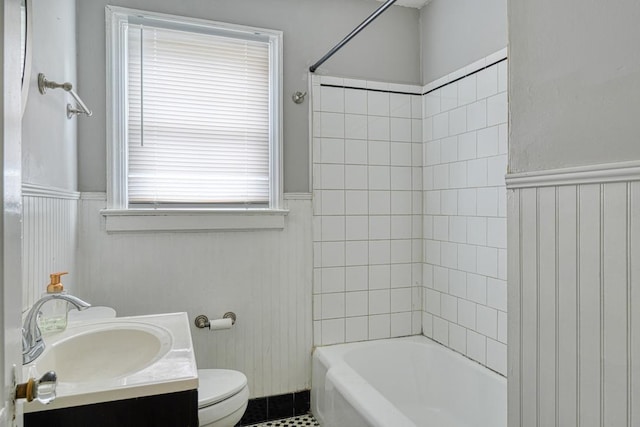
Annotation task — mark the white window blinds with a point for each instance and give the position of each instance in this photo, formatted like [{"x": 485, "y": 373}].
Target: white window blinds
[{"x": 199, "y": 117}]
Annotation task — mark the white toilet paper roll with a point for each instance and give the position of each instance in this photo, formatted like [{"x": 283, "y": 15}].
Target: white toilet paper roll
[{"x": 218, "y": 324}]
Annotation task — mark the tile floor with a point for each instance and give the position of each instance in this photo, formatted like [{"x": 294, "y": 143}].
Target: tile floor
[{"x": 303, "y": 420}]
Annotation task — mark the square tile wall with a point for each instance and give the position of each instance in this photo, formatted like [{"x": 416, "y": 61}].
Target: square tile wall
[
  {"x": 367, "y": 191},
  {"x": 465, "y": 254}
]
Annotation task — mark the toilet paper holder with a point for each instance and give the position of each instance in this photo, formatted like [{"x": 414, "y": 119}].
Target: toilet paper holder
[{"x": 202, "y": 321}]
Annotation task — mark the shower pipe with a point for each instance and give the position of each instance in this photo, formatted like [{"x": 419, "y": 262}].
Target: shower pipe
[{"x": 351, "y": 35}]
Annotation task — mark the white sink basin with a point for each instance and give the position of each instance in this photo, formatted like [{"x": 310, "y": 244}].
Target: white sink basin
[
  {"x": 104, "y": 352},
  {"x": 118, "y": 358}
]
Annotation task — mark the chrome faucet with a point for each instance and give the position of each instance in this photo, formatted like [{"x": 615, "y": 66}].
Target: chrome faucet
[{"x": 32, "y": 343}]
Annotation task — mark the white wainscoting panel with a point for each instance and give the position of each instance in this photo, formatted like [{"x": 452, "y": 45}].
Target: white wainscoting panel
[
  {"x": 263, "y": 276},
  {"x": 574, "y": 331},
  {"x": 49, "y": 230}
]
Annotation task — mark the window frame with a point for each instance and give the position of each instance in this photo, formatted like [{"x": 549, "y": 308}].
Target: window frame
[{"x": 117, "y": 21}]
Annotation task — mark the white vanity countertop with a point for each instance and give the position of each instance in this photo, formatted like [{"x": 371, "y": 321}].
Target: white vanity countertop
[{"x": 173, "y": 371}]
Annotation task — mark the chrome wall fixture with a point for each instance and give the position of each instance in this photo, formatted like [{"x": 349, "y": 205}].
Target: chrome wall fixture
[{"x": 81, "y": 107}]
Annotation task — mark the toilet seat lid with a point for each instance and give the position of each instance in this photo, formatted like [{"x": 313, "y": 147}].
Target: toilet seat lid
[{"x": 216, "y": 385}]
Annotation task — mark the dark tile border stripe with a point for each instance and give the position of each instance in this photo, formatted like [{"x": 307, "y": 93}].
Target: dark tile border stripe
[
  {"x": 467, "y": 75},
  {"x": 276, "y": 407},
  {"x": 418, "y": 93}
]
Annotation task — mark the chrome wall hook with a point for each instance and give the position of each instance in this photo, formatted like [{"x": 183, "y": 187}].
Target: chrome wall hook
[{"x": 298, "y": 97}]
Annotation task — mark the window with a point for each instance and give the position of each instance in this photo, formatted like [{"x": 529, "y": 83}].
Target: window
[{"x": 195, "y": 114}]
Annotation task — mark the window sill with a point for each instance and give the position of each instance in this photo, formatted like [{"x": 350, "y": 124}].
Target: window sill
[{"x": 124, "y": 220}]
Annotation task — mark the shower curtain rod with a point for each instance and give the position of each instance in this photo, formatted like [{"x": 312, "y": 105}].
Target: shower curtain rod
[{"x": 351, "y": 35}]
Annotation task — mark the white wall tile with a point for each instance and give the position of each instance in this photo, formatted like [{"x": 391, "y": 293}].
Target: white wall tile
[
  {"x": 487, "y": 199},
  {"x": 357, "y": 227},
  {"x": 502, "y": 76},
  {"x": 477, "y": 115},
  {"x": 458, "y": 283},
  {"x": 487, "y": 81},
  {"x": 477, "y": 288},
  {"x": 332, "y": 331},
  {"x": 467, "y": 258},
  {"x": 416, "y": 106},
  {"x": 355, "y": 101},
  {"x": 432, "y": 153},
  {"x": 497, "y": 110},
  {"x": 441, "y": 278},
  {"x": 467, "y": 313},
  {"x": 487, "y": 321},
  {"x": 497, "y": 293},
  {"x": 356, "y": 278},
  {"x": 377, "y": 128},
  {"x": 458, "y": 121},
  {"x": 497, "y": 356},
  {"x": 449, "y": 202},
  {"x": 449, "y": 97},
  {"x": 467, "y": 201},
  {"x": 356, "y": 253},
  {"x": 449, "y": 149},
  {"x": 331, "y": 151},
  {"x": 378, "y": 103},
  {"x": 477, "y": 173},
  {"x": 440, "y": 125},
  {"x": 331, "y": 125},
  {"x": 449, "y": 254},
  {"x": 457, "y": 338},
  {"x": 332, "y": 177},
  {"x": 332, "y": 202},
  {"x": 477, "y": 230},
  {"x": 379, "y": 326},
  {"x": 400, "y": 300},
  {"x": 401, "y": 251},
  {"x": 496, "y": 170},
  {"x": 332, "y": 99},
  {"x": 357, "y": 329},
  {"x": 333, "y": 254},
  {"x": 356, "y": 202},
  {"x": 400, "y": 275},
  {"x": 400, "y": 129},
  {"x": 401, "y": 324},
  {"x": 476, "y": 346},
  {"x": 441, "y": 176},
  {"x": 380, "y": 179},
  {"x": 497, "y": 232},
  {"x": 441, "y": 228},
  {"x": 401, "y": 154},
  {"x": 355, "y": 152},
  {"x": 458, "y": 174},
  {"x": 432, "y": 104},
  {"x": 458, "y": 229},
  {"x": 401, "y": 226},
  {"x": 379, "y": 251},
  {"x": 333, "y": 305},
  {"x": 488, "y": 142},
  {"x": 357, "y": 303},
  {"x": 379, "y": 227},
  {"x": 441, "y": 330},
  {"x": 467, "y": 90},
  {"x": 401, "y": 202},
  {"x": 379, "y": 276},
  {"x": 332, "y": 279},
  {"x": 355, "y": 126},
  {"x": 487, "y": 261},
  {"x": 379, "y": 153},
  {"x": 379, "y": 202},
  {"x": 333, "y": 228},
  {"x": 400, "y": 178}
]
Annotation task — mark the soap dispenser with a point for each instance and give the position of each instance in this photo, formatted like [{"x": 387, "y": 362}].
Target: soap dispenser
[{"x": 53, "y": 314}]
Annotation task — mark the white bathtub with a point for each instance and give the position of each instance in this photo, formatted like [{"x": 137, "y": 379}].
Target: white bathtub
[{"x": 412, "y": 382}]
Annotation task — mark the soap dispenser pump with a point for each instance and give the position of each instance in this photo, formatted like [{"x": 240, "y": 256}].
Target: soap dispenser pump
[{"x": 53, "y": 317}]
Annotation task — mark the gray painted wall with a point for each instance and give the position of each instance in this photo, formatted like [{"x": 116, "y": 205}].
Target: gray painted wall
[
  {"x": 48, "y": 137},
  {"x": 575, "y": 83},
  {"x": 455, "y": 33},
  {"x": 387, "y": 50}
]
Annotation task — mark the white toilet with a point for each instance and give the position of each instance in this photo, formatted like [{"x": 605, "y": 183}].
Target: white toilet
[{"x": 222, "y": 397}]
